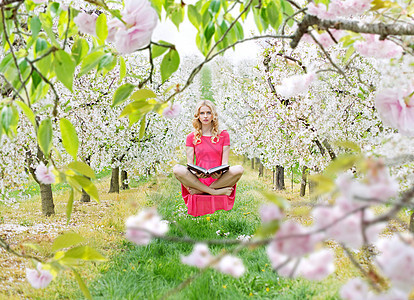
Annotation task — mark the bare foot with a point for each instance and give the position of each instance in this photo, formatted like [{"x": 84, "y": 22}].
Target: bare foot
[
  {"x": 224, "y": 191},
  {"x": 194, "y": 191}
]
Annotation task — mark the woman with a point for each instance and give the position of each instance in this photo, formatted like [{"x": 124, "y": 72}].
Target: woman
[{"x": 211, "y": 149}]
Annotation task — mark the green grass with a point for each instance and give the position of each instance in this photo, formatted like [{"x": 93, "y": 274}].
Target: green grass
[{"x": 150, "y": 272}]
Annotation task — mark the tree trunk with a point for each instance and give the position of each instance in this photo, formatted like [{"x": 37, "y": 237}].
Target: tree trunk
[
  {"x": 252, "y": 163},
  {"x": 411, "y": 228},
  {"x": 85, "y": 196},
  {"x": 304, "y": 180},
  {"x": 274, "y": 179},
  {"x": 114, "y": 188},
  {"x": 124, "y": 178},
  {"x": 280, "y": 178},
  {"x": 259, "y": 163},
  {"x": 48, "y": 208}
]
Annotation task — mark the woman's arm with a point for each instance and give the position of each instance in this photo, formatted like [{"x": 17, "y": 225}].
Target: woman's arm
[
  {"x": 225, "y": 157},
  {"x": 190, "y": 155}
]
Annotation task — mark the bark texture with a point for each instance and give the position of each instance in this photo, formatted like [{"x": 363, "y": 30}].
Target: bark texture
[
  {"x": 305, "y": 171},
  {"x": 114, "y": 188},
  {"x": 280, "y": 178},
  {"x": 124, "y": 178},
  {"x": 48, "y": 207}
]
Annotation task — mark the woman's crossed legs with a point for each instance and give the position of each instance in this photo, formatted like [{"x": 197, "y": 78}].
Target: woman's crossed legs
[{"x": 222, "y": 186}]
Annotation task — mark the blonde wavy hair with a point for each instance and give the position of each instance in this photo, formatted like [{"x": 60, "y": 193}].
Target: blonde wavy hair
[{"x": 197, "y": 124}]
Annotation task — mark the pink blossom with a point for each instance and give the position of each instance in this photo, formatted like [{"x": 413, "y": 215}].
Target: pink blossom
[
  {"x": 44, "y": 174},
  {"x": 38, "y": 278},
  {"x": 284, "y": 265},
  {"x": 200, "y": 257},
  {"x": 295, "y": 85},
  {"x": 396, "y": 108},
  {"x": 339, "y": 8},
  {"x": 270, "y": 212},
  {"x": 172, "y": 111},
  {"x": 372, "y": 46},
  {"x": 342, "y": 224},
  {"x": 324, "y": 38},
  {"x": 318, "y": 265},
  {"x": 39, "y": 1},
  {"x": 391, "y": 294},
  {"x": 292, "y": 239},
  {"x": 378, "y": 185},
  {"x": 231, "y": 265},
  {"x": 141, "y": 227},
  {"x": 396, "y": 260},
  {"x": 86, "y": 23},
  {"x": 355, "y": 289},
  {"x": 140, "y": 19}
]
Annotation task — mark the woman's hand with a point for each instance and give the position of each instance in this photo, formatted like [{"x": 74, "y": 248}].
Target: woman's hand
[
  {"x": 217, "y": 175},
  {"x": 200, "y": 175}
]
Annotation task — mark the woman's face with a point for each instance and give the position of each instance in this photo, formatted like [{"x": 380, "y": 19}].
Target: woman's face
[{"x": 206, "y": 115}]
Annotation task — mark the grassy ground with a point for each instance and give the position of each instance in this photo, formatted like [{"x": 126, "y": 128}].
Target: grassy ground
[{"x": 153, "y": 271}]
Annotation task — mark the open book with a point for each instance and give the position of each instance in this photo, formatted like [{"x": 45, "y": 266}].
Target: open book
[{"x": 208, "y": 172}]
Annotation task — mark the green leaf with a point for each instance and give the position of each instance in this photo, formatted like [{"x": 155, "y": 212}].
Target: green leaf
[
  {"x": 6, "y": 117},
  {"x": 82, "y": 168},
  {"x": 87, "y": 185},
  {"x": 90, "y": 62},
  {"x": 106, "y": 61},
  {"x": 342, "y": 163},
  {"x": 324, "y": 184},
  {"x": 209, "y": 31},
  {"x": 143, "y": 94},
  {"x": 141, "y": 106},
  {"x": 67, "y": 240},
  {"x": 47, "y": 25},
  {"x": 159, "y": 50},
  {"x": 122, "y": 93},
  {"x": 33, "y": 246},
  {"x": 268, "y": 229},
  {"x": 214, "y": 6},
  {"x": 122, "y": 68},
  {"x": 79, "y": 50},
  {"x": 169, "y": 64},
  {"x": 194, "y": 16},
  {"x": 348, "y": 145},
  {"x": 44, "y": 136},
  {"x": 275, "y": 198},
  {"x": 35, "y": 26},
  {"x": 177, "y": 15},
  {"x": 64, "y": 68},
  {"x": 82, "y": 285},
  {"x": 69, "y": 206},
  {"x": 274, "y": 13},
  {"x": 69, "y": 137},
  {"x": 142, "y": 127},
  {"x": 101, "y": 28},
  {"x": 27, "y": 111},
  {"x": 84, "y": 253}
]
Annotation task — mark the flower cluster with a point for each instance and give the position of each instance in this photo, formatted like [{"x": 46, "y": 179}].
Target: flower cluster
[
  {"x": 44, "y": 174},
  {"x": 172, "y": 111},
  {"x": 295, "y": 85},
  {"x": 133, "y": 32},
  {"x": 141, "y": 228},
  {"x": 202, "y": 258},
  {"x": 339, "y": 8},
  {"x": 372, "y": 46},
  {"x": 38, "y": 278},
  {"x": 396, "y": 108}
]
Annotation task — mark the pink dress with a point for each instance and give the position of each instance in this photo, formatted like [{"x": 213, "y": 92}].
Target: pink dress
[{"x": 208, "y": 155}]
